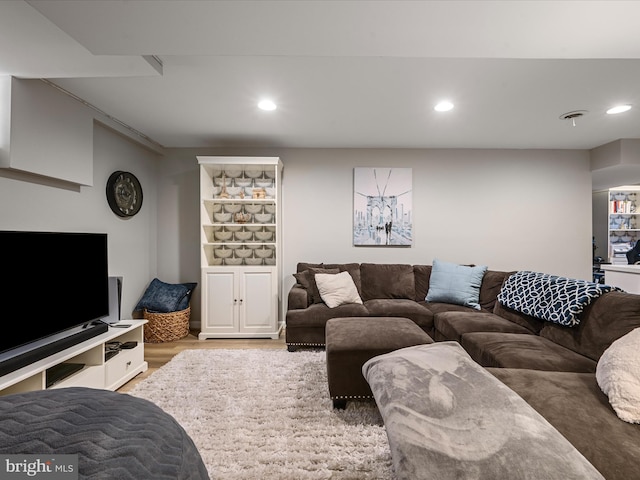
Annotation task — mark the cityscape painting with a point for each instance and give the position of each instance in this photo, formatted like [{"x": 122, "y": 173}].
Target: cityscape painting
[{"x": 382, "y": 207}]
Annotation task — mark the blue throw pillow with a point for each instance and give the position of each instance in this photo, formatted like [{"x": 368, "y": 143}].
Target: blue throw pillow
[
  {"x": 166, "y": 297},
  {"x": 457, "y": 284}
]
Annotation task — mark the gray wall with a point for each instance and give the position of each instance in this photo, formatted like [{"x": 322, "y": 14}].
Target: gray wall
[
  {"x": 508, "y": 209},
  {"x": 39, "y": 203}
]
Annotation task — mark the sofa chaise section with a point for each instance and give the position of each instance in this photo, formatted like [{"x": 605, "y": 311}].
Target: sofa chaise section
[{"x": 576, "y": 406}]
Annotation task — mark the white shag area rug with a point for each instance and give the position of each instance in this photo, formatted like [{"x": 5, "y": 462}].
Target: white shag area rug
[{"x": 266, "y": 414}]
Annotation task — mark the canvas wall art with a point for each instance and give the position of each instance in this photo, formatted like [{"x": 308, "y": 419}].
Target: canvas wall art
[{"x": 382, "y": 206}]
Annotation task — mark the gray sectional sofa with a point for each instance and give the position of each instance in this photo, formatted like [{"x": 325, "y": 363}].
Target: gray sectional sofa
[{"x": 551, "y": 366}]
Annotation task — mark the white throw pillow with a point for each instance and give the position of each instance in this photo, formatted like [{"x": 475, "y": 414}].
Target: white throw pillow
[
  {"x": 337, "y": 289},
  {"x": 618, "y": 375}
]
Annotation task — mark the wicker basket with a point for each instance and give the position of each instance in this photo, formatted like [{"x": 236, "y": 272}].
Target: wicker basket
[{"x": 166, "y": 327}]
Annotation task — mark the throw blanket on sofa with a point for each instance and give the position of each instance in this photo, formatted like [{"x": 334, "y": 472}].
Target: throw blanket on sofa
[
  {"x": 549, "y": 297},
  {"x": 448, "y": 418}
]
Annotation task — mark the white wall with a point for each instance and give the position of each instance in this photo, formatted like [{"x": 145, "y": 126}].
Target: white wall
[{"x": 508, "y": 209}]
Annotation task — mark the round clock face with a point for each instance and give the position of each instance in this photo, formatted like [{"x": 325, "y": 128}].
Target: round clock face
[{"x": 124, "y": 194}]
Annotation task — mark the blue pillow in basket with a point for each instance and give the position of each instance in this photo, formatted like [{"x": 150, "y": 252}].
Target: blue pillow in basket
[{"x": 166, "y": 297}]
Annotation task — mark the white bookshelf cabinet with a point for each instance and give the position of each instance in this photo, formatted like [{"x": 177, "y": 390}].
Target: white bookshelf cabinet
[
  {"x": 96, "y": 373},
  {"x": 240, "y": 233}
]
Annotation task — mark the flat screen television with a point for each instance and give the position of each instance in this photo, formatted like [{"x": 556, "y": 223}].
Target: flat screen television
[{"x": 55, "y": 292}]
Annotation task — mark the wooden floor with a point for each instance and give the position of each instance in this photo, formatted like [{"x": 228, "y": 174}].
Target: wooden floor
[{"x": 157, "y": 354}]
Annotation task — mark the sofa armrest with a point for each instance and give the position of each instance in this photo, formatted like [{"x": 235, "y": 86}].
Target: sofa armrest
[{"x": 297, "y": 298}]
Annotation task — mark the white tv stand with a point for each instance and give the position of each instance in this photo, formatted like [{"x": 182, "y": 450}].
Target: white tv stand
[{"x": 96, "y": 373}]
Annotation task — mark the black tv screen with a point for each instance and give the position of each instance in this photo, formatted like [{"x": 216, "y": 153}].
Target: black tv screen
[{"x": 53, "y": 282}]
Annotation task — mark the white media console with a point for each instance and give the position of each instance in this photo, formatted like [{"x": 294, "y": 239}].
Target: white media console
[{"x": 97, "y": 372}]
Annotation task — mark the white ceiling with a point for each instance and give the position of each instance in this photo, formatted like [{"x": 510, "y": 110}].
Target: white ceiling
[{"x": 362, "y": 74}]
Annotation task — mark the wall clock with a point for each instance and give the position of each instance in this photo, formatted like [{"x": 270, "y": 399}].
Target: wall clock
[{"x": 124, "y": 194}]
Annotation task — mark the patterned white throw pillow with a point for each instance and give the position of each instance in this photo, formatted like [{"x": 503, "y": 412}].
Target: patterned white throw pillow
[
  {"x": 337, "y": 289},
  {"x": 618, "y": 376}
]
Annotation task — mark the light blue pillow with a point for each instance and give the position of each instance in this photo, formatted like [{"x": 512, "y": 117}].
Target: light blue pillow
[{"x": 457, "y": 284}]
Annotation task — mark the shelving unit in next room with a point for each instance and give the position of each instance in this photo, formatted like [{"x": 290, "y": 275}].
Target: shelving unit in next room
[{"x": 623, "y": 222}]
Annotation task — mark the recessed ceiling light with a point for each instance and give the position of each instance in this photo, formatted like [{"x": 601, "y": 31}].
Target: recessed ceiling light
[
  {"x": 618, "y": 109},
  {"x": 267, "y": 105},
  {"x": 443, "y": 106}
]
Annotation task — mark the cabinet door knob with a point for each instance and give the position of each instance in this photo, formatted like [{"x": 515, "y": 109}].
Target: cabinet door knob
[{"x": 240, "y": 300}]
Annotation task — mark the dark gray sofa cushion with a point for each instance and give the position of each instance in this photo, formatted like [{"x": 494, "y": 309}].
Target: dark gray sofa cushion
[
  {"x": 574, "y": 404},
  {"x": 608, "y": 318},
  {"x": 527, "y": 321},
  {"x": 387, "y": 281},
  {"x": 422, "y": 275},
  {"x": 515, "y": 350},
  {"x": 399, "y": 307},
  {"x": 491, "y": 285},
  {"x": 437, "y": 307},
  {"x": 451, "y": 325}
]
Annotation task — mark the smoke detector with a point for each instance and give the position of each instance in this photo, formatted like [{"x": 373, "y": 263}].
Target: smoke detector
[{"x": 573, "y": 116}]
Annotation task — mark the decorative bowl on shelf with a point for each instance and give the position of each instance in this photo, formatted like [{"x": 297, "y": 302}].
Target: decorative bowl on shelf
[
  {"x": 264, "y": 182},
  {"x": 270, "y": 228},
  {"x": 253, "y": 261},
  {"x": 243, "y": 236},
  {"x": 253, "y": 208},
  {"x": 271, "y": 192},
  {"x": 233, "y": 228},
  {"x": 234, "y": 191},
  {"x": 215, "y": 261},
  {"x": 219, "y": 181},
  {"x": 233, "y": 246},
  {"x": 243, "y": 252},
  {"x": 263, "y": 236},
  {"x": 222, "y": 235},
  {"x": 264, "y": 252},
  {"x": 222, "y": 217},
  {"x": 252, "y": 246},
  {"x": 253, "y": 228},
  {"x": 263, "y": 217},
  {"x": 233, "y": 261},
  {"x": 232, "y": 207},
  {"x": 242, "y": 217},
  {"x": 270, "y": 172},
  {"x": 270, "y": 208},
  {"x": 233, "y": 171},
  {"x": 270, "y": 261},
  {"x": 243, "y": 182},
  {"x": 253, "y": 171},
  {"x": 216, "y": 207},
  {"x": 223, "y": 252}
]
